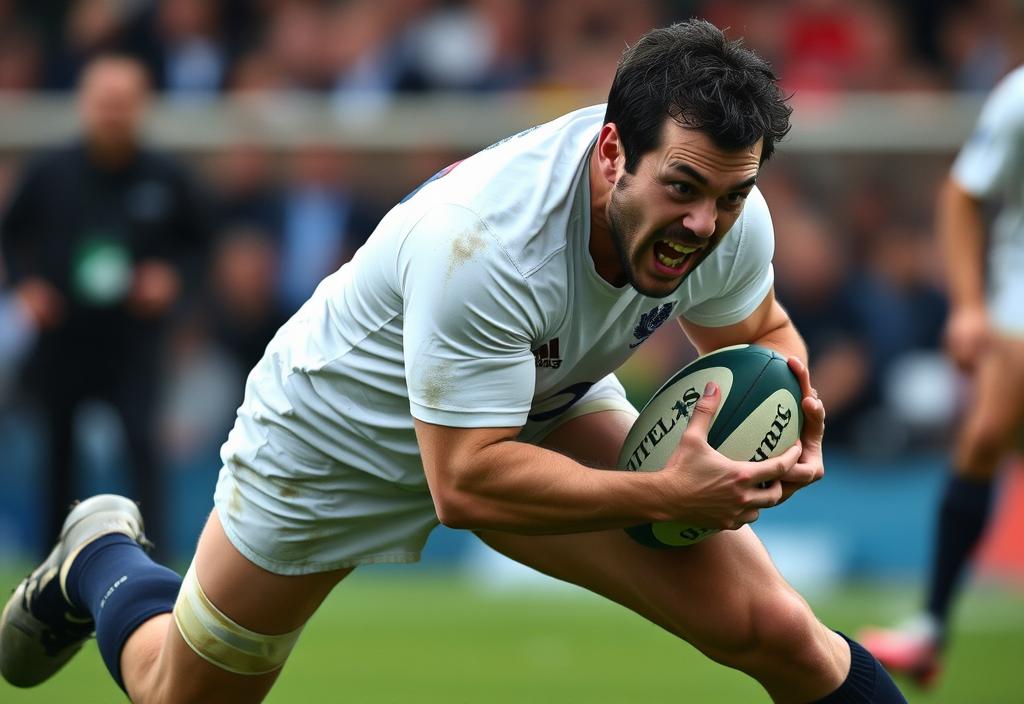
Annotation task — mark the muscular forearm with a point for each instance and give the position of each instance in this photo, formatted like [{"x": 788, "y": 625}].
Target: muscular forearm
[
  {"x": 520, "y": 488},
  {"x": 961, "y": 235}
]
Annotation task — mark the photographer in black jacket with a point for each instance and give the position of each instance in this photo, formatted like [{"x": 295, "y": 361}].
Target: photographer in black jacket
[{"x": 111, "y": 228}]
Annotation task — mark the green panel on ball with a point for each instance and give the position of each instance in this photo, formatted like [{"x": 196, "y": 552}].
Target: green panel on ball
[
  {"x": 644, "y": 535},
  {"x": 760, "y": 396}
]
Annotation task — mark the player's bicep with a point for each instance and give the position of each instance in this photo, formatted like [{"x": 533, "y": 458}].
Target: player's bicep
[
  {"x": 450, "y": 453},
  {"x": 768, "y": 316}
]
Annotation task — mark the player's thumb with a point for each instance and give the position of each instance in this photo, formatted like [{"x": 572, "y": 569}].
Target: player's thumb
[{"x": 704, "y": 411}]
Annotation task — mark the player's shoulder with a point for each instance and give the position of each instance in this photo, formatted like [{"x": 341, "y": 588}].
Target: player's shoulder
[
  {"x": 523, "y": 188},
  {"x": 753, "y": 229},
  {"x": 1013, "y": 80},
  {"x": 534, "y": 168},
  {"x": 1007, "y": 97}
]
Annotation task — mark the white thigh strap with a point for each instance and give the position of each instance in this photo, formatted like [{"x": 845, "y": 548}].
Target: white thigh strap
[{"x": 219, "y": 640}]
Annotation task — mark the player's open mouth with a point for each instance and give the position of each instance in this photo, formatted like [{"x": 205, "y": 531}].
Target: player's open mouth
[{"x": 672, "y": 258}]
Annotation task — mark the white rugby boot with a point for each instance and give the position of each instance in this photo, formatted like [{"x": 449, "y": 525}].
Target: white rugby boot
[{"x": 35, "y": 645}]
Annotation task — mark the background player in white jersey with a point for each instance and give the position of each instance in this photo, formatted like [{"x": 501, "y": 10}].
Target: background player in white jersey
[
  {"x": 460, "y": 368},
  {"x": 985, "y": 338}
]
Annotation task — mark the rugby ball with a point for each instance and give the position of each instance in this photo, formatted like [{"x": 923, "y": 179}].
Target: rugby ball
[{"x": 758, "y": 417}]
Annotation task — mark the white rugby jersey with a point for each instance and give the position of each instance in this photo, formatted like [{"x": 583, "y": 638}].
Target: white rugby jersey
[
  {"x": 475, "y": 303},
  {"x": 991, "y": 166}
]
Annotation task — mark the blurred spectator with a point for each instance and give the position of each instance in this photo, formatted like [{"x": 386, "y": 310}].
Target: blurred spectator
[
  {"x": 822, "y": 42},
  {"x": 884, "y": 58},
  {"x": 212, "y": 353},
  {"x": 182, "y": 45},
  {"x": 906, "y": 308},
  {"x": 474, "y": 45},
  {"x": 296, "y": 43},
  {"x": 111, "y": 227},
  {"x": 763, "y": 25},
  {"x": 90, "y": 28},
  {"x": 323, "y": 223},
  {"x": 368, "y": 61},
  {"x": 25, "y": 311},
  {"x": 21, "y": 58},
  {"x": 817, "y": 286},
  {"x": 256, "y": 72},
  {"x": 244, "y": 311},
  {"x": 981, "y": 40},
  {"x": 248, "y": 191},
  {"x": 904, "y": 263},
  {"x": 861, "y": 45},
  {"x": 366, "y": 51},
  {"x": 582, "y": 40}
]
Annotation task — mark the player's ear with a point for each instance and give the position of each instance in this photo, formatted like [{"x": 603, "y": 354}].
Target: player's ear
[{"x": 610, "y": 155}]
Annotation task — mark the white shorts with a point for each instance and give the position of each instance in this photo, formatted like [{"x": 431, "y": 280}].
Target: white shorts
[
  {"x": 1006, "y": 300},
  {"x": 292, "y": 510}
]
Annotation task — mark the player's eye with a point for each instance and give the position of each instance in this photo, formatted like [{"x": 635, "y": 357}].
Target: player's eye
[
  {"x": 734, "y": 200},
  {"x": 680, "y": 188}
]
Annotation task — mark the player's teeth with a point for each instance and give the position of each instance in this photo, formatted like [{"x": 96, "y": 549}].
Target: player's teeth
[
  {"x": 670, "y": 263},
  {"x": 681, "y": 248}
]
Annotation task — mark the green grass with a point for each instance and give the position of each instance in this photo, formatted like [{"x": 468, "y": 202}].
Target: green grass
[{"x": 407, "y": 635}]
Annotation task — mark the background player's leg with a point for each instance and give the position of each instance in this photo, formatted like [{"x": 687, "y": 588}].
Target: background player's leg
[
  {"x": 158, "y": 666},
  {"x": 989, "y": 433},
  {"x": 723, "y": 595},
  {"x": 990, "y": 429}
]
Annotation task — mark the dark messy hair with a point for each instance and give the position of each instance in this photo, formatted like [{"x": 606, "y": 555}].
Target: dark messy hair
[{"x": 693, "y": 74}]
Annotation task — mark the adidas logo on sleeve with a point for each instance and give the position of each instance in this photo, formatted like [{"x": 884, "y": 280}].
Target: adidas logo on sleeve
[{"x": 547, "y": 355}]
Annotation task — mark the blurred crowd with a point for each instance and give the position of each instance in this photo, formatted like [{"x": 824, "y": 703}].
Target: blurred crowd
[
  {"x": 855, "y": 263},
  {"x": 363, "y": 49}
]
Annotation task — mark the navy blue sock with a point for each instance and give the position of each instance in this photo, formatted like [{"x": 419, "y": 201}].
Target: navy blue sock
[
  {"x": 115, "y": 581},
  {"x": 963, "y": 515},
  {"x": 867, "y": 682}
]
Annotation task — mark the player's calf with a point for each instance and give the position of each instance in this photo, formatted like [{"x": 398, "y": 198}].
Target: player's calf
[
  {"x": 796, "y": 659},
  {"x": 777, "y": 640}
]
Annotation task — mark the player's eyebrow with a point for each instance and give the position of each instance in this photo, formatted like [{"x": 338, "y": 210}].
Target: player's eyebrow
[{"x": 682, "y": 167}]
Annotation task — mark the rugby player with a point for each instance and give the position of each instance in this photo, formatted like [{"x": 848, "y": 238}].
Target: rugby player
[
  {"x": 460, "y": 369},
  {"x": 985, "y": 339}
]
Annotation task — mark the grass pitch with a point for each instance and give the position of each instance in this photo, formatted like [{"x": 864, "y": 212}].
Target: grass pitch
[{"x": 404, "y": 634}]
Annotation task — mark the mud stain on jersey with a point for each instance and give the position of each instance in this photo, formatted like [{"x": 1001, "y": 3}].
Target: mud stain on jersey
[
  {"x": 436, "y": 383},
  {"x": 464, "y": 248},
  {"x": 235, "y": 503},
  {"x": 287, "y": 491}
]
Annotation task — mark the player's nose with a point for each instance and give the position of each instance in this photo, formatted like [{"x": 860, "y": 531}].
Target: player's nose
[{"x": 701, "y": 218}]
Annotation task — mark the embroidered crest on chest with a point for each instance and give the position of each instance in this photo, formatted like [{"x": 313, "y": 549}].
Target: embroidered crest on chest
[{"x": 651, "y": 321}]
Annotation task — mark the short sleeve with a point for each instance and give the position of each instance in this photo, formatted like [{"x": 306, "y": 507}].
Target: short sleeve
[
  {"x": 735, "y": 279},
  {"x": 994, "y": 149},
  {"x": 468, "y": 322}
]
